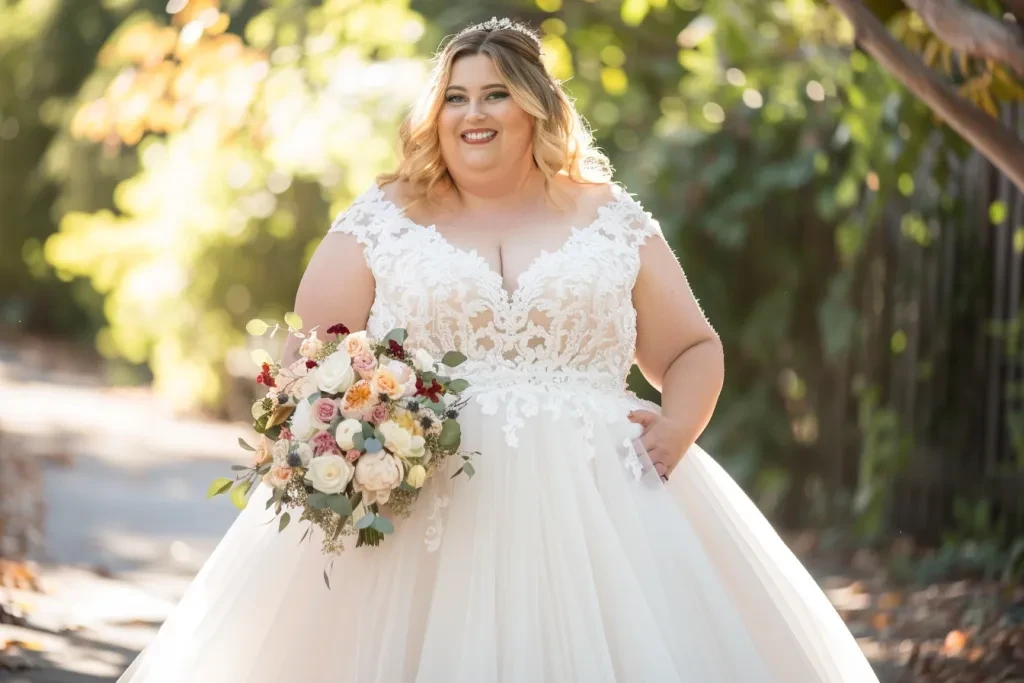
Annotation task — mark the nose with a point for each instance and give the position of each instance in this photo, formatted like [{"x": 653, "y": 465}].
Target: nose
[{"x": 474, "y": 113}]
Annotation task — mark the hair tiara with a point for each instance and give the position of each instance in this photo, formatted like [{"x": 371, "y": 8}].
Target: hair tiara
[{"x": 503, "y": 24}]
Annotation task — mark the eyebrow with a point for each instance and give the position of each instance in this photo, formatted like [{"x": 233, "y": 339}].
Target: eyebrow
[{"x": 486, "y": 87}]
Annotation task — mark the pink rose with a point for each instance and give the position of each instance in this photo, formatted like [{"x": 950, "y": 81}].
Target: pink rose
[
  {"x": 323, "y": 443},
  {"x": 324, "y": 410},
  {"x": 378, "y": 414},
  {"x": 353, "y": 455},
  {"x": 364, "y": 364}
]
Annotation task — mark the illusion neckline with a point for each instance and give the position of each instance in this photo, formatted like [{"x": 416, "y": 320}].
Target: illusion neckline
[{"x": 510, "y": 297}]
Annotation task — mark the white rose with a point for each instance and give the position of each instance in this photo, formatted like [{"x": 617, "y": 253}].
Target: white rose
[
  {"x": 330, "y": 473},
  {"x": 302, "y": 421},
  {"x": 422, "y": 360},
  {"x": 305, "y": 453},
  {"x": 335, "y": 374},
  {"x": 345, "y": 431},
  {"x": 376, "y": 474},
  {"x": 356, "y": 343},
  {"x": 397, "y": 439},
  {"x": 404, "y": 375},
  {"x": 311, "y": 346},
  {"x": 280, "y": 452}
]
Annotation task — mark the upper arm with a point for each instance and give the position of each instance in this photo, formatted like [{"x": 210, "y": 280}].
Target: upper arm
[
  {"x": 669, "y": 319},
  {"x": 337, "y": 287}
]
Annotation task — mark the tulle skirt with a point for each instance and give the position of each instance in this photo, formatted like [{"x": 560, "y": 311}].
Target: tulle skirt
[{"x": 562, "y": 560}]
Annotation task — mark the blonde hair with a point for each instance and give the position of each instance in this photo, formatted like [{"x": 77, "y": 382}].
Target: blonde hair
[{"x": 562, "y": 142}]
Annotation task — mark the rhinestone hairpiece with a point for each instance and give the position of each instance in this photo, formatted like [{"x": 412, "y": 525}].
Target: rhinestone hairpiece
[{"x": 503, "y": 24}]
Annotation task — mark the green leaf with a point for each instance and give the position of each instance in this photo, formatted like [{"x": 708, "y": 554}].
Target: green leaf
[
  {"x": 256, "y": 327},
  {"x": 260, "y": 356},
  {"x": 365, "y": 521},
  {"x": 383, "y": 525},
  {"x": 305, "y": 535},
  {"x": 314, "y": 397},
  {"x": 458, "y": 385},
  {"x": 238, "y": 468},
  {"x": 270, "y": 503},
  {"x": 243, "y": 444},
  {"x": 453, "y": 358},
  {"x": 399, "y": 334},
  {"x": 327, "y": 580},
  {"x": 469, "y": 469},
  {"x": 340, "y": 504},
  {"x": 358, "y": 441},
  {"x": 317, "y": 501},
  {"x": 285, "y": 518},
  {"x": 293, "y": 320},
  {"x": 238, "y": 495},
  {"x": 451, "y": 434},
  {"x": 219, "y": 486}
]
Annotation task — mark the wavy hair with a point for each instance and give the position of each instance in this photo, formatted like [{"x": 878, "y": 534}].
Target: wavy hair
[{"x": 562, "y": 141}]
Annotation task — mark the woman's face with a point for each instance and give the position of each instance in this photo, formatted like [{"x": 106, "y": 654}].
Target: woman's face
[{"x": 481, "y": 128}]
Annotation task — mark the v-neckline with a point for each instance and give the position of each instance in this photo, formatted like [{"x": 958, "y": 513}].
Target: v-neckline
[{"x": 509, "y": 298}]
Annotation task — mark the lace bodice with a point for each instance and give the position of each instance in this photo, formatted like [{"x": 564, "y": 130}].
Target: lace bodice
[{"x": 570, "y": 319}]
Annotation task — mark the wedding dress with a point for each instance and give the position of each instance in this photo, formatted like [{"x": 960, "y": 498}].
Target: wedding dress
[{"x": 564, "y": 559}]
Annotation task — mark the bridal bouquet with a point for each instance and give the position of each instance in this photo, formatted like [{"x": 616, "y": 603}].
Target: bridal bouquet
[{"x": 353, "y": 425}]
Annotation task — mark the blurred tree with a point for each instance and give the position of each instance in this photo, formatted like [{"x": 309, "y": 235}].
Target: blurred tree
[{"x": 977, "y": 38}]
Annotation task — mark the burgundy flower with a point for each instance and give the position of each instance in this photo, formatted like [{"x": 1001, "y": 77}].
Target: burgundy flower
[
  {"x": 265, "y": 378},
  {"x": 396, "y": 349},
  {"x": 433, "y": 391},
  {"x": 310, "y": 364},
  {"x": 337, "y": 328}
]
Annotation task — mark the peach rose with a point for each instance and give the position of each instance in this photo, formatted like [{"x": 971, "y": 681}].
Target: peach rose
[
  {"x": 384, "y": 382},
  {"x": 404, "y": 375},
  {"x": 358, "y": 400},
  {"x": 357, "y": 343},
  {"x": 278, "y": 476}
]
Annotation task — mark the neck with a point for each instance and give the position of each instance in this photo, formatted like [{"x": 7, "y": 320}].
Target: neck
[{"x": 500, "y": 190}]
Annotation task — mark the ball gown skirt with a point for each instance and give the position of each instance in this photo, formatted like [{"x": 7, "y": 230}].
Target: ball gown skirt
[{"x": 560, "y": 561}]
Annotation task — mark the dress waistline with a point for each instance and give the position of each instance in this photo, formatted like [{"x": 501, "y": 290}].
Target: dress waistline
[{"x": 484, "y": 379}]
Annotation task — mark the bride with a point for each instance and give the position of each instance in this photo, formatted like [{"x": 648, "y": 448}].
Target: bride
[{"x": 596, "y": 542}]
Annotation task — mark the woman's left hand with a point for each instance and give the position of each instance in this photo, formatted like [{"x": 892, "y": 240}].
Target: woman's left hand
[{"x": 663, "y": 438}]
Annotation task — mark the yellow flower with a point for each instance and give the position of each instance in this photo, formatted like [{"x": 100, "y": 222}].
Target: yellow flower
[
  {"x": 408, "y": 422},
  {"x": 384, "y": 382},
  {"x": 417, "y": 475}
]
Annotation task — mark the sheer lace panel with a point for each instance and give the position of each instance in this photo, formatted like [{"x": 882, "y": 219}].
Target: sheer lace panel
[{"x": 569, "y": 320}]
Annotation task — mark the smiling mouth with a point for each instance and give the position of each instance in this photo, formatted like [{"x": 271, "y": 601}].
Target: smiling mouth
[{"x": 476, "y": 137}]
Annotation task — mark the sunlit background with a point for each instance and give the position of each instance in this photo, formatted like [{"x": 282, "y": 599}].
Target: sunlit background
[{"x": 167, "y": 168}]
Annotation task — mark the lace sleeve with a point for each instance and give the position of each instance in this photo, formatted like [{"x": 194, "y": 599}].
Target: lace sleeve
[
  {"x": 641, "y": 224},
  {"x": 366, "y": 219}
]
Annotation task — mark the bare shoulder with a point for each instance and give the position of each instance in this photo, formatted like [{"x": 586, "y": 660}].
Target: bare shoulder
[{"x": 587, "y": 196}]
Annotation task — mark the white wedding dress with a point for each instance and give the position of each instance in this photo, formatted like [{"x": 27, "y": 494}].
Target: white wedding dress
[{"x": 565, "y": 559}]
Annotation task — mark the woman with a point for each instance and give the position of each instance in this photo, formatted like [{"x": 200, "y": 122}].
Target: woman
[{"x": 596, "y": 541}]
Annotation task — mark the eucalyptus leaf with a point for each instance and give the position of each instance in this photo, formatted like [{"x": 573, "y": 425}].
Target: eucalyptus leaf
[
  {"x": 238, "y": 498},
  {"x": 260, "y": 356},
  {"x": 327, "y": 580},
  {"x": 451, "y": 434},
  {"x": 238, "y": 468},
  {"x": 256, "y": 327},
  {"x": 453, "y": 358},
  {"x": 340, "y": 504},
  {"x": 318, "y": 501},
  {"x": 285, "y": 518},
  {"x": 367, "y": 429},
  {"x": 243, "y": 444},
  {"x": 219, "y": 486},
  {"x": 358, "y": 441},
  {"x": 383, "y": 525},
  {"x": 458, "y": 384},
  {"x": 469, "y": 469},
  {"x": 399, "y": 334},
  {"x": 365, "y": 521},
  {"x": 314, "y": 397},
  {"x": 305, "y": 535}
]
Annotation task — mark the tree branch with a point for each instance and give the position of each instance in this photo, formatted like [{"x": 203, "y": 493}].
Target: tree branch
[
  {"x": 972, "y": 31},
  {"x": 991, "y": 138}
]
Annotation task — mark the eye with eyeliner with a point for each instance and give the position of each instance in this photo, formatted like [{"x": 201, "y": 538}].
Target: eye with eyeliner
[{"x": 500, "y": 95}]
